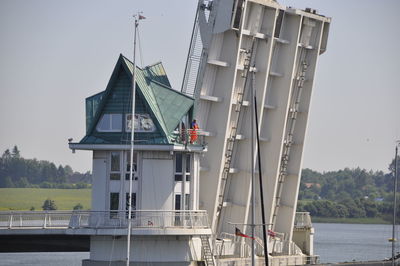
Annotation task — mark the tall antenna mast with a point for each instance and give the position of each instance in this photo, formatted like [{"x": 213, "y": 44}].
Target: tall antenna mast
[
  {"x": 394, "y": 203},
  {"x": 137, "y": 17},
  {"x": 253, "y": 185}
]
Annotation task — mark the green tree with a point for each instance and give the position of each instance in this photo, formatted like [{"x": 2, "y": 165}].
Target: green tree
[
  {"x": 15, "y": 152},
  {"x": 68, "y": 170},
  {"x": 31, "y": 172},
  {"x": 391, "y": 165},
  {"x": 23, "y": 182},
  {"x": 8, "y": 182},
  {"x": 355, "y": 211},
  {"x": 371, "y": 209},
  {"x": 49, "y": 205},
  {"x": 6, "y": 154},
  {"x": 342, "y": 211},
  {"x": 61, "y": 176}
]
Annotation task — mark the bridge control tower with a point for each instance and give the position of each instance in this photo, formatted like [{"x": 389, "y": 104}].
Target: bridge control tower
[{"x": 167, "y": 226}]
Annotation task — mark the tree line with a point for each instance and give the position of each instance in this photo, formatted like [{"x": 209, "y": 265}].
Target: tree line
[
  {"x": 348, "y": 193},
  {"x": 16, "y": 171}
]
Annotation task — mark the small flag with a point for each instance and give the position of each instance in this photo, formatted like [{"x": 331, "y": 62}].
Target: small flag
[
  {"x": 141, "y": 17},
  {"x": 239, "y": 233},
  {"x": 271, "y": 233}
]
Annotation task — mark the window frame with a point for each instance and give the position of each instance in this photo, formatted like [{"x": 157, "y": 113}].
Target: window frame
[
  {"x": 114, "y": 212},
  {"x": 110, "y": 128},
  {"x": 187, "y": 201},
  {"x": 134, "y": 204},
  {"x": 127, "y": 163},
  {"x": 184, "y": 171},
  {"x": 115, "y": 172},
  {"x": 176, "y": 172},
  {"x": 180, "y": 201}
]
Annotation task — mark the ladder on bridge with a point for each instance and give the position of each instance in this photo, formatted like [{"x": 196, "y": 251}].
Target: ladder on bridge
[
  {"x": 288, "y": 141},
  {"x": 207, "y": 253},
  {"x": 231, "y": 140}
]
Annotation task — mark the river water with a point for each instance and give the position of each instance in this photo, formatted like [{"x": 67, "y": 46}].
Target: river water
[
  {"x": 347, "y": 242},
  {"x": 333, "y": 242}
]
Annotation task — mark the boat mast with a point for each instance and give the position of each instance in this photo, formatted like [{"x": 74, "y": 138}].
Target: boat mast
[
  {"x": 128, "y": 243},
  {"x": 394, "y": 202}
]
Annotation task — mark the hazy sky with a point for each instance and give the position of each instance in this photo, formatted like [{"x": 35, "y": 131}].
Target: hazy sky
[{"x": 54, "y": 54}]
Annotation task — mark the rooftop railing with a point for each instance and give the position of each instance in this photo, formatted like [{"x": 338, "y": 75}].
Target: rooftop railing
[{"x": 103, "y": 219}]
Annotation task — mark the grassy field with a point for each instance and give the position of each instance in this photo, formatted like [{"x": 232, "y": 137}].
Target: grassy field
[{"x": 25, "y": 198}]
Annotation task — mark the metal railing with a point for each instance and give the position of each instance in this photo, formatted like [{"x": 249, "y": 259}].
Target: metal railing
[
  {"x": 190, "y": 137},
  {"x": 104, "y": 219},
  {"x": 302, "y": 220}
]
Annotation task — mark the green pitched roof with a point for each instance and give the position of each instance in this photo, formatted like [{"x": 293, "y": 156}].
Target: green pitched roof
[{"x": 166, "y": 106}]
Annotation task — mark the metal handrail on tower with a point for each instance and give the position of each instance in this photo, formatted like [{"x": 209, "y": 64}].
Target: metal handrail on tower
[
  {"x": 288, "y": 141},
  {"x": 198, "y": 51},
  {"x": 193, "y": 58}
]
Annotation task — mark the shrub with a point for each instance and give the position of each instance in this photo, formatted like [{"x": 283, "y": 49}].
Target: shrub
[
  {"x": 49, "y": 205},
  {"x": 78, "y": 207}
]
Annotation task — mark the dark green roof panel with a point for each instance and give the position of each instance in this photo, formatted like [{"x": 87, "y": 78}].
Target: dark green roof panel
[
  {"x": 173, "y": 106},
  {"x": 92, "y": 104}
]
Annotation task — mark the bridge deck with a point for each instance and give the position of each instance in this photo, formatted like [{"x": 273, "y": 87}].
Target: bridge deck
[{"x": 51, "y": 231}]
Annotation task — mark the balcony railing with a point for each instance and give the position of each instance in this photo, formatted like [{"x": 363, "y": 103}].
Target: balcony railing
[
  {"x": 103, "y": 219},
  {"x": 302, "y": 220},
  {"x": 190, "y": 137}
]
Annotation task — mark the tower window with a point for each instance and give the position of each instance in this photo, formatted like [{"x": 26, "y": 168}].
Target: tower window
[
  {"x": 110, "y": 123},
  {"x": 177, "y": 202},
  {"x": 178, "y": 167},
  {"x": 114, "y": 205},
  {"x": 182, "y": 166},
  {"x": 115, "y": 166},
  {"x": 128, "y": 165}
]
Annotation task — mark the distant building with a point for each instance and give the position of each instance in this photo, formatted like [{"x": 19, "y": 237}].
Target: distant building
[{"x": 310, "y": 185}]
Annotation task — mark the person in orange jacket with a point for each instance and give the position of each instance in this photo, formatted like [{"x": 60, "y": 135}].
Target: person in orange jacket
[{"x": 193, "y": 131}]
